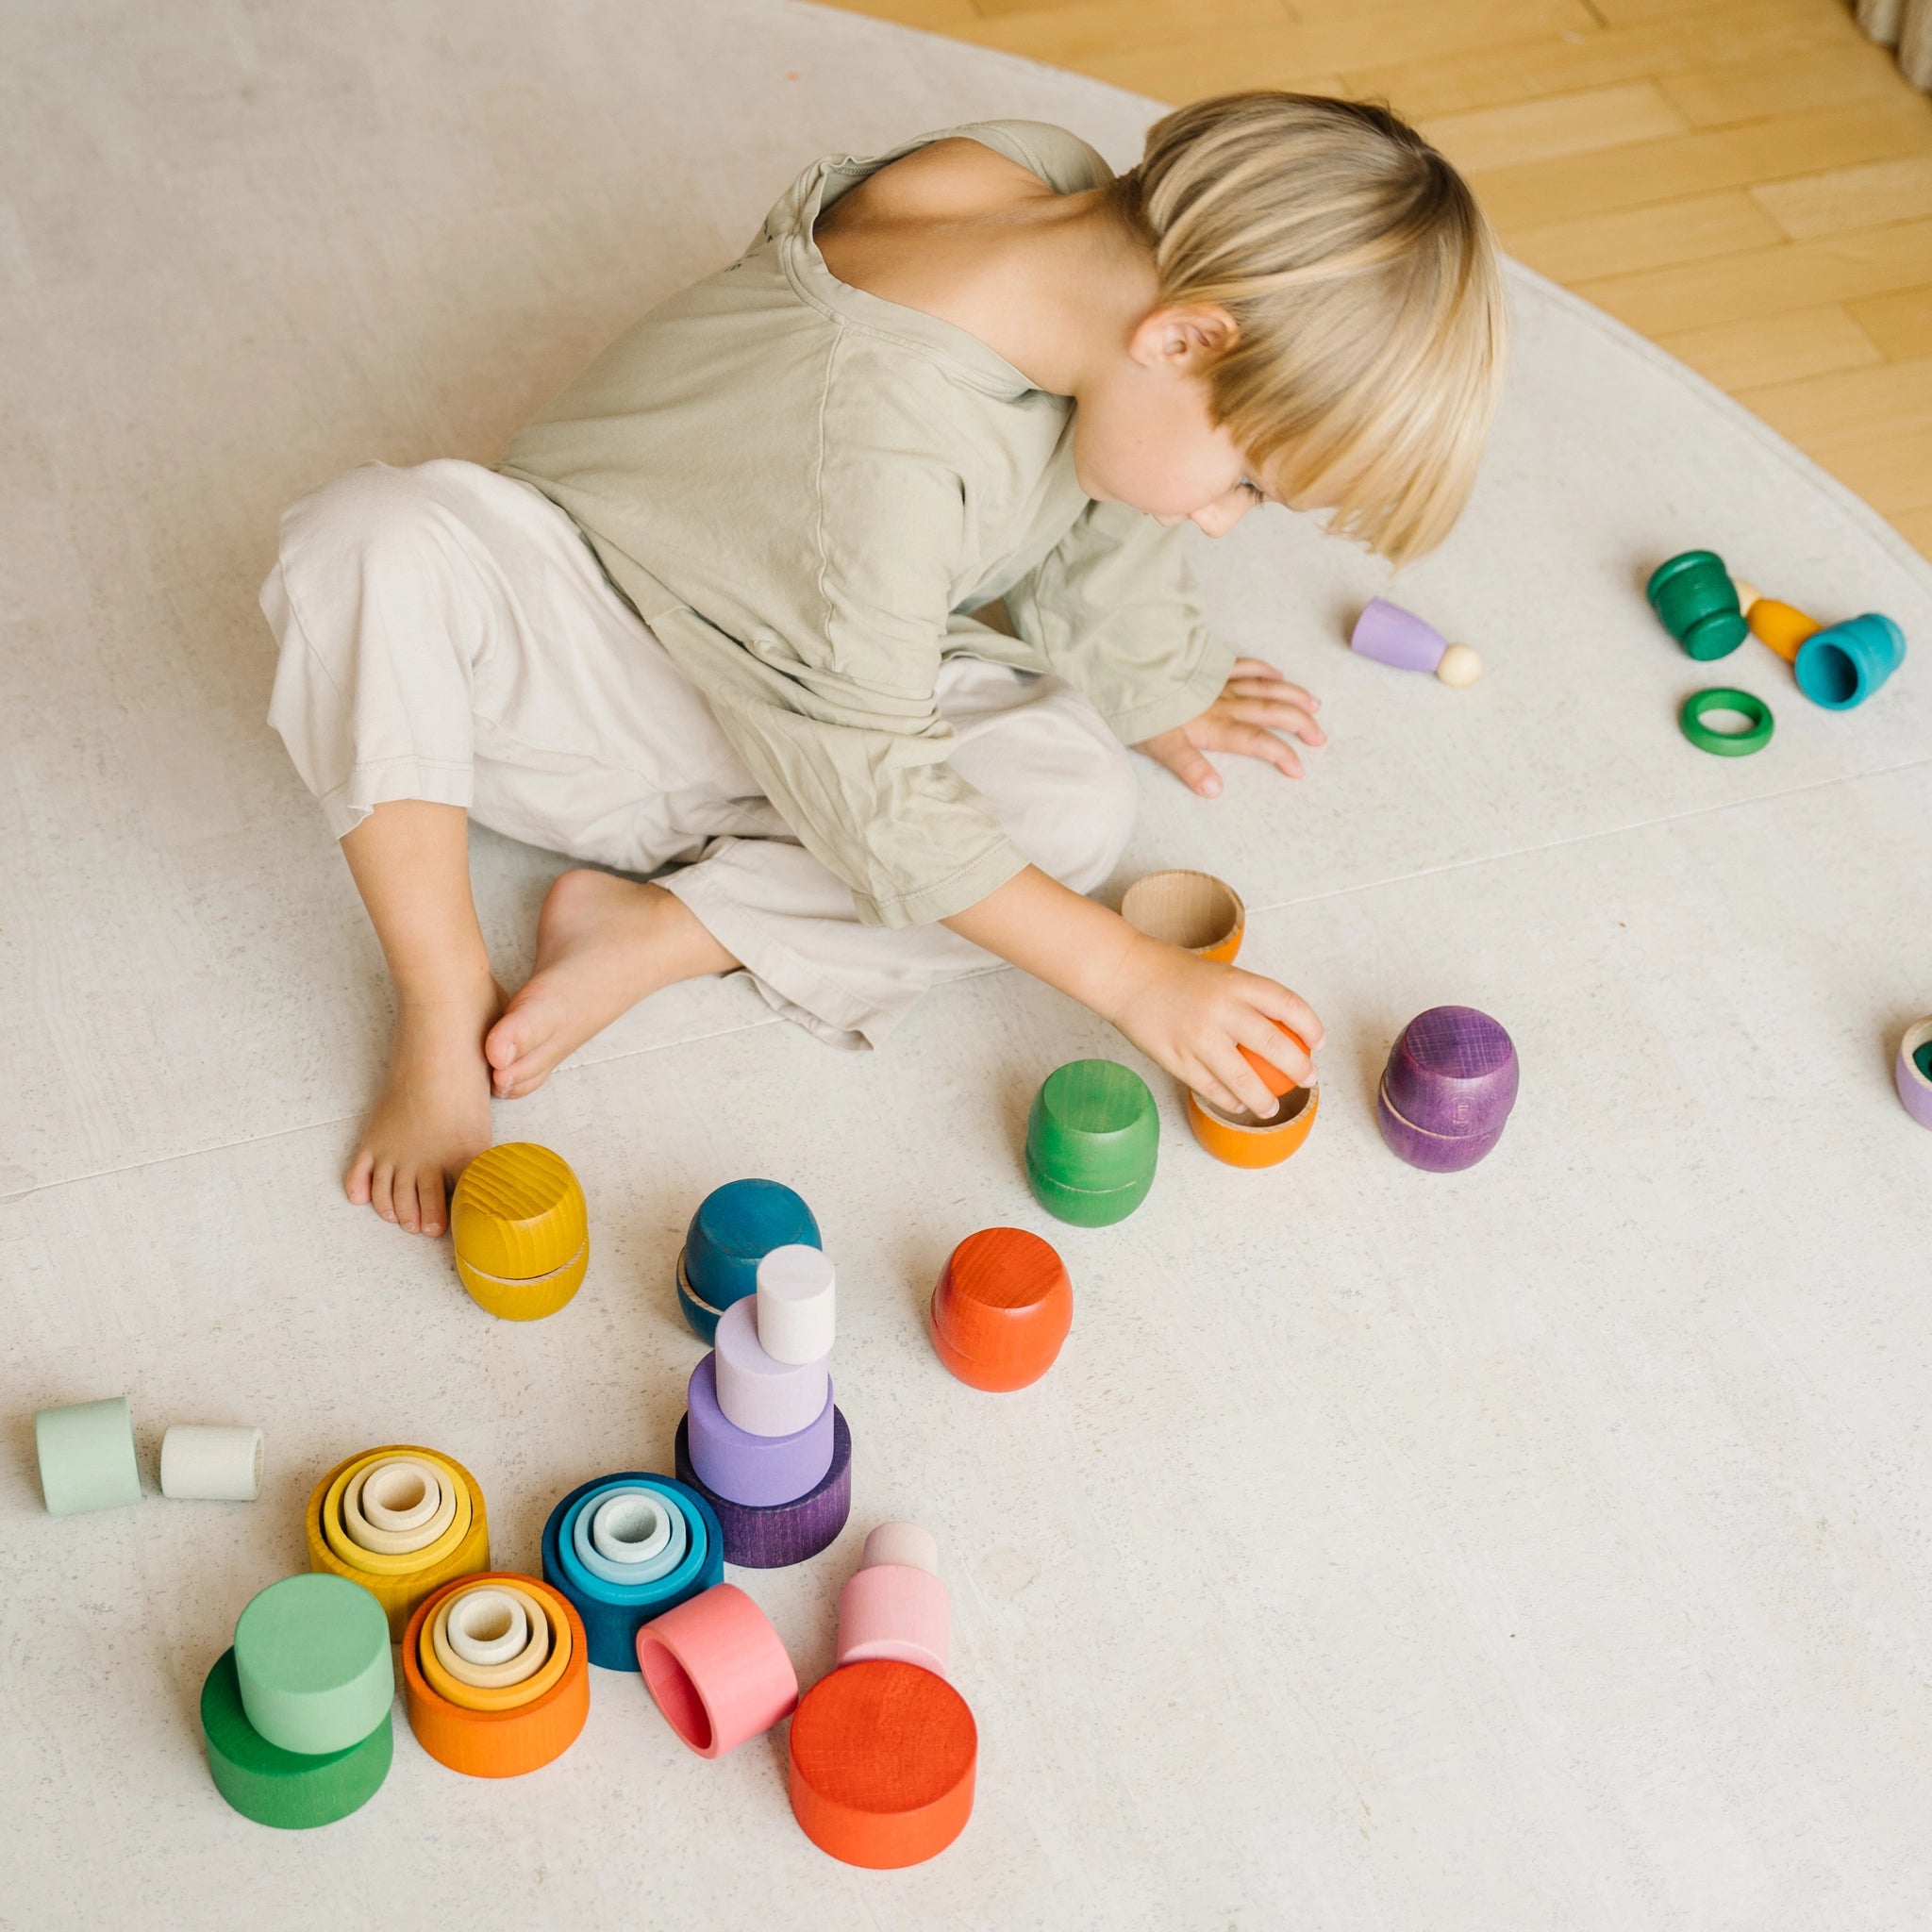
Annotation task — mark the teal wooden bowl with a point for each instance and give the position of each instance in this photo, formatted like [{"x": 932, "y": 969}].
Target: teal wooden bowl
[{"x": 1091, "y": 1140}]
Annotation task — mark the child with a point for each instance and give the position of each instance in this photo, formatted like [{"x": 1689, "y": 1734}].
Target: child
[{"x": 714, "y": 609}]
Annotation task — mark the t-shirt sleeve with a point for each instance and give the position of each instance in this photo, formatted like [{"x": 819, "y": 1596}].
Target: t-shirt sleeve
[
  {"x": 1114, "y": 610},
  {"x": 830, "y": 700}
]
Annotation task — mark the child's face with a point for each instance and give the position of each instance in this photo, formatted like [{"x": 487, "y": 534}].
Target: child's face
[{"x": 1144, "y": 432}]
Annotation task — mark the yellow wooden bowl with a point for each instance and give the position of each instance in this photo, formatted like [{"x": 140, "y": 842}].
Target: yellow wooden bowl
[{"x": 520, "y": 1231}]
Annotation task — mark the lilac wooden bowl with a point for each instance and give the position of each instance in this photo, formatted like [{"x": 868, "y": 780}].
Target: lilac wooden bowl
[
  {"x": 1432, "y": 1152},
  {"x": 1914, "y": 1087},
  {"x": 1453, "y": 1073}
]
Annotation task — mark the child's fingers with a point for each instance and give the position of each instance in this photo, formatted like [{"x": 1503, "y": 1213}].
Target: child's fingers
[
  {"x": 1267, "y": 1042},
  {"x": 1252, "y": 742},
  {"x": 1185, "y": 761},
  {"x": 1273, "y": 690},
  {"x": 1253, "y": 667},
  {"x": 1290, "y": 1008},
  {"x": 1278, "y": 715},
  {"x": 1211, "y": 1090},
  {"x": 1248, "y": 1087}
]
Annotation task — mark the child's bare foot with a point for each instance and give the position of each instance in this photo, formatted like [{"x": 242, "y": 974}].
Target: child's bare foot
[
  {"x": 603, "y": 943},
  {"x": 433, "y": 1116}
]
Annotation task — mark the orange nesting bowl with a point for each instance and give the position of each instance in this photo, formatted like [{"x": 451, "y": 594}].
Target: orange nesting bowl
[
  {"x": 1190, "y": 910},
  {"x": 1003, "y": 1306},
  {"x": 1242, "y": 1141},
  {"x": 510, "y": 1742}
]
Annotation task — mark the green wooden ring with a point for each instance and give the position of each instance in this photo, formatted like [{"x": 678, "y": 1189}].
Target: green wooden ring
[
  {"x": 289, "y": 1790},
  {"x": 312, "y": 1660},
  {"x": 1725, "y": 744}
]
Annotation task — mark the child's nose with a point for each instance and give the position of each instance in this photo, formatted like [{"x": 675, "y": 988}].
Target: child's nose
[{"x": 1224, "y": 513}]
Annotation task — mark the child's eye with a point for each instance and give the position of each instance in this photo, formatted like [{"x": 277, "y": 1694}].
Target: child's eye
[{"x": 1253, "y": 488}]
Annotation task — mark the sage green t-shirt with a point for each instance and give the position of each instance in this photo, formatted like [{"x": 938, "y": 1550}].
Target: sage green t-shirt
[{"x": 805, "y": 491}]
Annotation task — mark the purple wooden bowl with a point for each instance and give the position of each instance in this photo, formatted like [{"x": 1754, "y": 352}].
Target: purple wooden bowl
[
  {"x": 788, "y": 1533},
  {"x": 1453, "y": 1072},
  {"x": 1432, "y": 1152},
  {"x": 1914, "y": 1087}
]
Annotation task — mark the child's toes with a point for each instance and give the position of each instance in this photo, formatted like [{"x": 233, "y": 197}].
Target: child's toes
[
  {"x": 356, "y": 1182},
  {"x": 501, "y": 1045},
  {"x": 429, "y": 1199},
  {"x": 403, "y": 1195},
  {"x": 382, "y": 1190}
]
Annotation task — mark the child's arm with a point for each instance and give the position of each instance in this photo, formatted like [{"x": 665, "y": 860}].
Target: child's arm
[{"x": 1191, "y": 1015}]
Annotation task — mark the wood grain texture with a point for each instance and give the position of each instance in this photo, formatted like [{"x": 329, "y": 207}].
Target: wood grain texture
[
  {"x": 718, "y": 1671},
  {"x": 1002, "y": 1308},
  {"x": 882, "y": 1756},
  {"x": 777, "y": 1537},
  {"x": 398, "y": 1583}
]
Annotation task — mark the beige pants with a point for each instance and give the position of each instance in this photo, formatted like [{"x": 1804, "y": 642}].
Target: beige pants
[{"x": 446, "y": 635}]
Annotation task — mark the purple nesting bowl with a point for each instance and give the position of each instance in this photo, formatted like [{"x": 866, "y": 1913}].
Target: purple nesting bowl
[
  {"x": 1432, "y": 1152},
  {"x": 1451, "y": 1074}
]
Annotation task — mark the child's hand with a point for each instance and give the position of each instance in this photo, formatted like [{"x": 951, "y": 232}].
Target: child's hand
[
  {"x": 1195, "y": 1016},
  {"x": 1255, "y": 705}
]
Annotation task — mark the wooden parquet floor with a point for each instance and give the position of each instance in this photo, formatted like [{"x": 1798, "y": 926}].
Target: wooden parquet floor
[{"x": 1748, "y": 182}]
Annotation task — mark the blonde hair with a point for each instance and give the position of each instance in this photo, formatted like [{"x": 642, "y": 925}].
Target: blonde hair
[{"x": 1363, "y": 281}]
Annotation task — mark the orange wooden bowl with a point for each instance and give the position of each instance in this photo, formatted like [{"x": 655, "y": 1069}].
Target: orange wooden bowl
[
  {"x": 499, "y": 1743},
  {"x": 882, "y": 1757},
  {"x": 1190, "y": 910},
  {"x": 1242, "y": 1140},
  {"x": 1003, "y": 1306}
]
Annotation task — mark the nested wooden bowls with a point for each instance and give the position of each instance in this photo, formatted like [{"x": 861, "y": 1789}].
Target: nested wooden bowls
[
  {"x": 533, "y": 1703},
  {"x": 1003, "y": 1306},
  {"x": 520, "y": 1231},
  {"x": 451, "y": 1540},
  {"x": 1242, "y": 1141},
  {"x": 1190, "y": 910}
]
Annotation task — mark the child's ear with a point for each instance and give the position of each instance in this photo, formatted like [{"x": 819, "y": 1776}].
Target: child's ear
[{"x": 1185, "y": 339}]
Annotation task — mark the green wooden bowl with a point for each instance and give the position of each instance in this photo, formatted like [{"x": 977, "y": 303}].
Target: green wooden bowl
[{"x": 1091, "y": 1140}]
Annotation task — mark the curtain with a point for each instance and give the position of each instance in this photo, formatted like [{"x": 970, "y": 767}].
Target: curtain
[{"x": 1906, "y": 24}]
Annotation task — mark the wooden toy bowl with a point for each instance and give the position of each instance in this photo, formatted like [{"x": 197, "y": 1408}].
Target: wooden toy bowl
[
  {"x": 882, "y": 1756},
  {"x": 400, "y": 1581},
  {"x": 1242, "y": 1140},
  {"x": 518, "y": 1737},
  {"x": 1003, "y": 1308},
  {"x": 1091, "y": 1140},
  {"x": 1190, "y": 910},
  {"x": 1453, "y": 1072},
  {"x": 735, "y": 1227},
  {"x": 1447, "y": 1090},
  {"x": 1912, "y": 1072},
  {"x": 520, "y": 1231}
]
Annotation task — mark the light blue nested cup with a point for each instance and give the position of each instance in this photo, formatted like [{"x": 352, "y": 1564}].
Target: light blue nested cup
[
  {"x": 591, "y": 1537},
  {"x": 614, "y": 1612}
]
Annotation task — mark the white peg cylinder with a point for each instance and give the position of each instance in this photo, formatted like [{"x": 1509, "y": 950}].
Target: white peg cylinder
[
  {"x": 903, "y": 1543},
  {"x": 201, "y": 1464},
  {"x": 758, "y": 1394},
  {"x": 796, "y": 1304}
]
